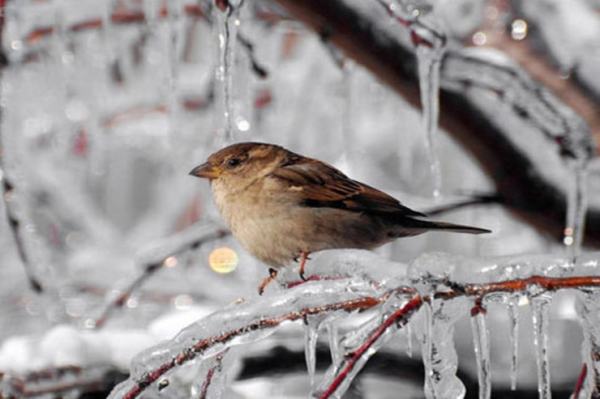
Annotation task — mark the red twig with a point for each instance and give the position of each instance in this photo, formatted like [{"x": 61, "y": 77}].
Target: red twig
[
  {"x": 217, "y": 368},
  {"x": 119, "y": 17},
  {"x": 400, "y": 316},
  {"x": 580, "y": 381}
]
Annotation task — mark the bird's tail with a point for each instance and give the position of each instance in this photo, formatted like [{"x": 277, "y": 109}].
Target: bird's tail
[{"x": 433, "y": 225}]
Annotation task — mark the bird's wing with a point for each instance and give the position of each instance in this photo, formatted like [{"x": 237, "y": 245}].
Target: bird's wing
[{"x": 317, "y": 184}]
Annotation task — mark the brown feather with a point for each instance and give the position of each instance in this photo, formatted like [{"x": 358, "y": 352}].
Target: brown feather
[{"x": 321, "y": 185}]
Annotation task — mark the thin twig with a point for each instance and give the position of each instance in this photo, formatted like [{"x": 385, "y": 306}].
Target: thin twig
[
  {"x": 119, "y": 17},
  {"x": 59, "y": 381},
  {"x": 210, "y": 374},
  {"x": 580, "y": 381}
]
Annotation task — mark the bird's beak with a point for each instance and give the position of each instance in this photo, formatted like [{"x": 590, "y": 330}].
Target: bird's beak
[{"x": 206, "y": 170}]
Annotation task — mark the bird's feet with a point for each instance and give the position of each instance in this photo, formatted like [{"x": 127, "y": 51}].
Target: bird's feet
[
  {"x": 303, "y": 258},
  {"x": 267, "y": 280}
]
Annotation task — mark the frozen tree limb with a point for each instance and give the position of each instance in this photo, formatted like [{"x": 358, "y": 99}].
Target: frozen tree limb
[
  {"x": 523, "y": 184},
  {"x": 246, "y": 322},
  {"x": 395, "y": 299}
]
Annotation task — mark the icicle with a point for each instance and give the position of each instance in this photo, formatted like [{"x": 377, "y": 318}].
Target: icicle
[
  {"x": 227, "y": 26},
  {"x": 513, "y": 314},
  {"x": 576, "y": 209},
  {"x": 439, "y": 355},
  {"x": 588, "y": 309},
  {"x": 429, "y": 61},
  {"x": 334, "y": 342},
  {"x": 540, "y": 308},
  {"x": 409, "y": 343},
  {"x": 311, "y": 335},
  {"x": 175, "y": 19},
  {"x": 427, "y": 350},
  {"x": 482, "y": 351}
]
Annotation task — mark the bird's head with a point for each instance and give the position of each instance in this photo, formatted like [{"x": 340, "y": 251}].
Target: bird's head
[{"x": 240, "y": 164}]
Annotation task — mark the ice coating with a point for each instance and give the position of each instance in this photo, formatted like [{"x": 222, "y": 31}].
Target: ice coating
[{"x": 481, "y": 346}]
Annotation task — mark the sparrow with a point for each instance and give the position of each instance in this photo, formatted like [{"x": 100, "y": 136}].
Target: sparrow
[{"x": 282, "y": 206}]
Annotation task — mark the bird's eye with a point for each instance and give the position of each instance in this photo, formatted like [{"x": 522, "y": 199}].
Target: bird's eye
[{"x": 233, "y": 162}]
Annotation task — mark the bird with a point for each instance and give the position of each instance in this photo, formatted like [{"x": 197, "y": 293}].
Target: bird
[{"x": 282, "y": 206}]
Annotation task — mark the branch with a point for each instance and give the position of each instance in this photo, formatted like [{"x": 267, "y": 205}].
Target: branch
[
  {"x": 199, "y": 347},
  {"x": 293, "y": 304}
]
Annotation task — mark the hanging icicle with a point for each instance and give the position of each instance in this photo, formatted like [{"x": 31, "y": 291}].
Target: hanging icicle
[
  {"x": 311, "y": 335},
  {"x": 175, "y": 21},
  {"x": 576, "y": 209},
  {"x": 430, "y": 43},
  {"x": 482, "y": 349},
  {"x": 228, "y": 22},
  {"x": 513, "y": 315},
  {"x": 540, "y": 310},
  {"x": 429, "y": 61}
]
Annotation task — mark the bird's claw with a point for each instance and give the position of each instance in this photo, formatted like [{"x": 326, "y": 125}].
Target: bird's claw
[
  {"x": 266, "y": 281},
  {"x": 302, "y": 276}
]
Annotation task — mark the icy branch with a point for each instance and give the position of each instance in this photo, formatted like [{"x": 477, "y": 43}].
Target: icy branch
[
  {"x": 436, "y": 280},
  {"x": 58, "y": 382}
]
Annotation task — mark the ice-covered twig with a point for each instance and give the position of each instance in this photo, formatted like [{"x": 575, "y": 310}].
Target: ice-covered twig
[
  {"x": 119, "y": 17},
  {"x": 580, "y": 382},
  {"x": 157, "y": 255},
  {"x": 210, "y": 375},
  {"x": 15, "y": 228},
  {"x": 59, "y": 382}
]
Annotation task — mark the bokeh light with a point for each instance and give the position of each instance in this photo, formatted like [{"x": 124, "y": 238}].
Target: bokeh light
[{"x": 223, "y": 260}]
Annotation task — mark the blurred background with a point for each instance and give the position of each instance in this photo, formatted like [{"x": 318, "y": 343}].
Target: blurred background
[{"x": 107, "y": 105}]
